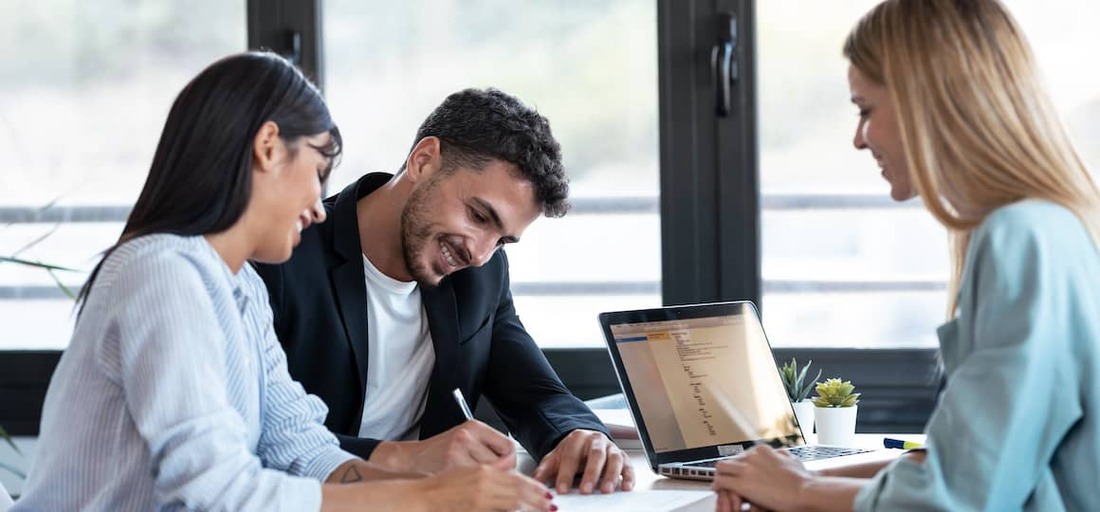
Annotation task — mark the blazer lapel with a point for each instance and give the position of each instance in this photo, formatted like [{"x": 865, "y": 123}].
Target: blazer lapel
[
  {"x": 441, "y": 411},
  {"x": 348, "y": 279}
]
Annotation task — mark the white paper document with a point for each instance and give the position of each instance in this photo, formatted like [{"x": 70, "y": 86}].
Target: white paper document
[{"x": 634, "y": 501}]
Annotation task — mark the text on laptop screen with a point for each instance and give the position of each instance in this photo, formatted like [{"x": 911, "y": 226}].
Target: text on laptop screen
[{"x": 704, "y": 381}]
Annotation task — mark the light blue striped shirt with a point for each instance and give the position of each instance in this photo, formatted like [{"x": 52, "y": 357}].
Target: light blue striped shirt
[
  {"x": 1018, "y": 424},
  {"x": 174, "y": 394}
]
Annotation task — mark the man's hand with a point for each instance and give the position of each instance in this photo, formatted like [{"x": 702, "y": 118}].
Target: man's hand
[
  {"x": 589, "y": 451},
  {"x": 468, "y": 444}
]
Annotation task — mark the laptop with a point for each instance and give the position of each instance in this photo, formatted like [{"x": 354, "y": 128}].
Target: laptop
[{"x": 702, "y": 385}]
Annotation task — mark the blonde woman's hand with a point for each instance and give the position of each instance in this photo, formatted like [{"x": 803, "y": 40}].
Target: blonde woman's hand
[{"x": 769, "y": 479}]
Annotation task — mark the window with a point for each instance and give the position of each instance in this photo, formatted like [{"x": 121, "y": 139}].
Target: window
[
  {"x": 843, "y": 265},
  {"x": 772, "y": 202},
  {"x": 768, "y": 202},
  {"x": 589, "y": 67},
  {"x": 84, "y": 92}
]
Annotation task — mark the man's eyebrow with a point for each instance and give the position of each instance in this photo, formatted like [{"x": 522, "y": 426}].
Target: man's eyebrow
[
  {"x": 494, "y": 217},
  {"x": 492, "y": 212}
]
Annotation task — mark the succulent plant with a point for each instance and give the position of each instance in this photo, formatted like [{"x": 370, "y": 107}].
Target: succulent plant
[
  {"x": 836, "y": 393},
  {"x": 798, "y": 388}
]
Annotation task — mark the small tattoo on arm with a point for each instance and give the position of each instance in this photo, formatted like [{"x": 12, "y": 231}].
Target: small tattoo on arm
[{"x": 351, "y": 475}]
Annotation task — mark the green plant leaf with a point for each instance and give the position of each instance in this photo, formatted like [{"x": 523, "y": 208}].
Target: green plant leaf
[
  {"x": 36, "y": 264},
  {"x": 4, "y": 435},
  {"x": 14, "y": 470},
  {"x": 790, "y": 383},
  {"x": 45, "y": 207},
  {"x": 36, "y": 241},
  {"x": 802, "y": 374},
  {"x": 836, "y": 393},
  {"x": 804, "y": 389},
  {"x": 61, "y": 285}
]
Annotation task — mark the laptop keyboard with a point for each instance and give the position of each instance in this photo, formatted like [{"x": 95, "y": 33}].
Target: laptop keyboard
[
  {"x": 814, "y": 452},
  {"x": 804, "y": 453}
]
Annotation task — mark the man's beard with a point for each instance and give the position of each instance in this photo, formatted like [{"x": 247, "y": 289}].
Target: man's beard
[{"x": 416, "y": 233}]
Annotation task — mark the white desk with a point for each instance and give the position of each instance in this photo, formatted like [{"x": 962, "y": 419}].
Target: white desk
[{"x": 647, "y": 483}]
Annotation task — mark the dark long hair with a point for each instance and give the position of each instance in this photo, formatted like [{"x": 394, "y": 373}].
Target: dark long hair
[{"x": 200, "y": 181}]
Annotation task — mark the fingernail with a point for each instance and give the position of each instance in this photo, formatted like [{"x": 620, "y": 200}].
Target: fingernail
[
  {"x": 562, "y": 489},
  {"x": 553, "y": 507},
  {"x": 549, "y": 496},
  {"x": 586, "y": 487}
]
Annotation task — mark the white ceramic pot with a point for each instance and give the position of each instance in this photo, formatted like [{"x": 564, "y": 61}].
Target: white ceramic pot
[
  {"x": 804, "y": 413},
  {"x": 836, "y": 425}
]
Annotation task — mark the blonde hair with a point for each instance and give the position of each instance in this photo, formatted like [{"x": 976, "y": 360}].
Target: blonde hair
[{"x": 977, "y": 127}]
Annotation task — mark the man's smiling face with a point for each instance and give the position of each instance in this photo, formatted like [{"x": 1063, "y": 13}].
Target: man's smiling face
[{"x": 459, "y": 218}]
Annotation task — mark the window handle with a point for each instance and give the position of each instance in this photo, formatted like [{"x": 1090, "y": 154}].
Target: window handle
[
  {"x": 290, "y": 46},
  {"x": 723, "y": 61}
]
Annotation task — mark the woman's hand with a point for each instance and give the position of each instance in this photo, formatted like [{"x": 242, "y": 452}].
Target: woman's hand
[
  {"x": 478, "y": 488},
  {"x": 481, "y": 488},
  {"x": 767, "y": 478}
]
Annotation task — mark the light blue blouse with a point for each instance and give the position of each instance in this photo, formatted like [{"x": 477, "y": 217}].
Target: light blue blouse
[
  {"x": 1018, "y": 423},
  {"x": 174, "y": 394}
]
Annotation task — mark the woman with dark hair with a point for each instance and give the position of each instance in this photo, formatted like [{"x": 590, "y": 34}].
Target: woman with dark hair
[{"x": 174, "y": 392}]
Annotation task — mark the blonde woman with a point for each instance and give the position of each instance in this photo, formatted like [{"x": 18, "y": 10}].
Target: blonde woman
[{"x": 952, "y": 109}]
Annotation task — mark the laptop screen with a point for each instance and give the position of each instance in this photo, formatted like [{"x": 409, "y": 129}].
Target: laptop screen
[{"x": 701, "y": 376}]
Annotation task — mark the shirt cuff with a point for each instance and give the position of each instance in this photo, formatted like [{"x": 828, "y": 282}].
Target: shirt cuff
[{"x": 323, "y": 465}]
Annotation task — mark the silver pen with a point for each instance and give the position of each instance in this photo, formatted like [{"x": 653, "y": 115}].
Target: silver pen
[{"x": 462, "y": 404}]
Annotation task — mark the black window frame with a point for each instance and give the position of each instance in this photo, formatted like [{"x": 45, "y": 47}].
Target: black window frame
[
  {"x": 709, "y": 203},
  {"x": 711, "y": 206}
]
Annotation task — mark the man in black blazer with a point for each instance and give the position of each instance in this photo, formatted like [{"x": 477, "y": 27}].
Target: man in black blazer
[{"x": 403, "y": 296}]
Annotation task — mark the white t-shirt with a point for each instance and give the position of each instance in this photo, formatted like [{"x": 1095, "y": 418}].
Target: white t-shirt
[{"x": 400, "y": 360}]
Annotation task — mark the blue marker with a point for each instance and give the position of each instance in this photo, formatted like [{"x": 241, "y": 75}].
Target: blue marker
[{"x": 898, "y": 443}]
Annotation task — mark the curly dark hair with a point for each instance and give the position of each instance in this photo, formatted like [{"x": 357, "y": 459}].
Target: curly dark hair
[{"x": 477, "y": 125}]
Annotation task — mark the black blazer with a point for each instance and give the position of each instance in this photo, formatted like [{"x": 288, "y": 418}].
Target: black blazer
[{"x": 319, "y": 301}]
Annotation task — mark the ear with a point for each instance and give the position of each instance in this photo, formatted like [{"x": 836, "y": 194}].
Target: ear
[
  {"x": 265, "y": 147},
  {"x": 424, "y": 160}
]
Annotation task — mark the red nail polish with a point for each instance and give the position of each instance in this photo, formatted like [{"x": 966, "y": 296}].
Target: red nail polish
[
  {"x": 553, "y": 508},
  {"x": 549, "y": 496}
]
